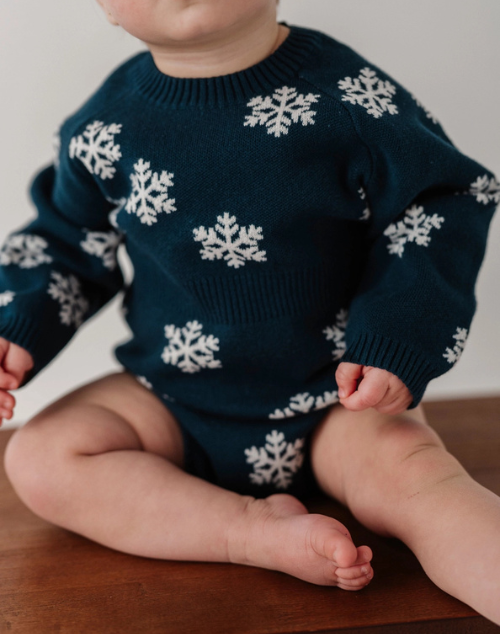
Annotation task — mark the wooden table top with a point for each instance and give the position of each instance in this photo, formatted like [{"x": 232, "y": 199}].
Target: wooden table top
[{"x": 52, "y": 580}]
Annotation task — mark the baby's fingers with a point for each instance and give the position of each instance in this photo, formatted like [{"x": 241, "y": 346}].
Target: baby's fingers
[
  {"x": 16, "y": 363},
  {"x": 7, "y": 404},
  {"x": 371, "y": 391},
  {"x": 397, "y": 405},
  {"x": 347, "y": 376},
  {"x": 7, "y": 381}
]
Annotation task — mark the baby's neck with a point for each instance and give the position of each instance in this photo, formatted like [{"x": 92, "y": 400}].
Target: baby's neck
[{"x": 217, "y": 54}]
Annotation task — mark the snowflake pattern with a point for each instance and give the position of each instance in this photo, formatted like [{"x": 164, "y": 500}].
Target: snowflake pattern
[
  {"x": 486, "y": 190},
  {"x": 336, "y": 333},
  {"x": 96, "y": 148},
  {"x": 25, "y": 250},
  {"x": 366, "y": 212},
  {"x": 304, "y": 403},
  {"x": 453, "y": 355},
  {"x": 67, "y": 291},
  {"x": 279, "y": 111},
  {"x": 235, "y": 250},
  {"x": 143, "y": 381},
  {"x": 188, "y": 349},
  {"x": 56, "y": 147},
  {"x": 102, "y": 244},
  {"x": 369, "y": 91},
  {"x": 112, "y": 216},
  {"x": 6, "y": 298},
  {"x": 415, "y": 227},
  {"x": 277, "y": 461},
  {"x": 147, "y": 200}
]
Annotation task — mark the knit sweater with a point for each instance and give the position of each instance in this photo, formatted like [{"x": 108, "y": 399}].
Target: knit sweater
[{"x": 280, "y": 219}]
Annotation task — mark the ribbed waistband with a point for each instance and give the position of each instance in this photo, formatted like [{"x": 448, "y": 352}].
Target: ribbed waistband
[{"x": 240, "y": 299}]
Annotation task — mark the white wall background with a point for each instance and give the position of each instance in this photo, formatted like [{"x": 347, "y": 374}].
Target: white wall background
[{"x": 54, "y": 53}]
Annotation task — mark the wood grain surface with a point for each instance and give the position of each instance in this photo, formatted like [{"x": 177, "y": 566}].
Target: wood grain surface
[{"x": 52, "y": 580}]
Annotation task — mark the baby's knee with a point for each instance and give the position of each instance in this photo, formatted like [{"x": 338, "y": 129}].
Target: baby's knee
[
  {"x": 402, "y": 437},
  {"x": 413, "y": 454},
  {"x": 31, "y": 467}
]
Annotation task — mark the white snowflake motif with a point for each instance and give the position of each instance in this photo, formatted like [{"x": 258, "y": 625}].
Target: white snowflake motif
[
  {"x": 56, "y": 147},
  {"x": 486, "y": 190},
  {"x": 112, "y": 216},
  {"x": 102, "y": 244},
  {"x": 188, "y": 349},
  {"x": 277, "y": 461},
  {"x": 427, "y": 112},
  {"x": 336, "y": 333},
  {"x": 6, "y": 298},
  {"x": 96, "y": 148},
  {"x": 235, "y": 250},
  {"x": 67, "y": 291},
  {"x": 369, "y": 91},
  {"x": 143, "y": 381},
  {"x": 415, "y": 227},
  {"x": 453, "y": 355},
  {"x": 279, "y": 111},
  {"x": 147, "y": 200},
  {"x": 366, "y": 212},
  {"x": 305, "y": 403},
  {"x": 25, "y": 250}
]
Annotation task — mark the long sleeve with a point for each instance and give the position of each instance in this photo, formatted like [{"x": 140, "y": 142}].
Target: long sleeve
[
  {"x": 429, "y": 209},
  {"x": 60, "y": 269}
]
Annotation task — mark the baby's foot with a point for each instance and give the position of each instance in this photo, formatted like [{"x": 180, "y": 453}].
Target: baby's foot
[{"x": 279, "y": 533}]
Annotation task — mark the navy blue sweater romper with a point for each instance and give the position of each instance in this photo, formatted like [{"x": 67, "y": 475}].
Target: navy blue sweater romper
[{"x": 279, "y": 219}]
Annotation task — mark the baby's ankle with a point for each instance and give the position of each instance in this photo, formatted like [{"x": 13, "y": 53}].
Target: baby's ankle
[
  {"x": 241, "y": 532},
  {"x": 251, "y": 539}
]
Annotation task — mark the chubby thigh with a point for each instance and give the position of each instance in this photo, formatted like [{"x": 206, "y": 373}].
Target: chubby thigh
[
  {"x": 118, "y": 413},
  {"x": 371, "y": 462},
  {"x": 256, "y": 457}
]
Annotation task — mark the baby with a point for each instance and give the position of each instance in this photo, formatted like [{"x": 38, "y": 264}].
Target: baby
[{"x": 305, "y": 242}]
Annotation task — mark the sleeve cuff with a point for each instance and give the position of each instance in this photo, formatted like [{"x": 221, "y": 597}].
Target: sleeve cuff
[
  {"x": 25, "y": 333},
  {"x": 380, "y": 352}
]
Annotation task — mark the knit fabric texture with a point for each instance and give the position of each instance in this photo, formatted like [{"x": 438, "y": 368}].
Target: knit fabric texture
[{"x": 305, "y": 211}]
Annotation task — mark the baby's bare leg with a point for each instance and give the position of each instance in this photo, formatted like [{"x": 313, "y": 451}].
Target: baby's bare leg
[
  {"x": 106, "y": 461},
  {"x": 397, "y": 478}
]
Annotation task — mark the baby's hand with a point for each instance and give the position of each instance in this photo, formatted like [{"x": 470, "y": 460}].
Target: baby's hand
[
  {"x": 378, "y": 388},
  {"x": 14, "y": 363}
]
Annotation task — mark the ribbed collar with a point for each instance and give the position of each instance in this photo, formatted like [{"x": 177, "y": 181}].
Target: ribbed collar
[{"x": 270, "y": 73}]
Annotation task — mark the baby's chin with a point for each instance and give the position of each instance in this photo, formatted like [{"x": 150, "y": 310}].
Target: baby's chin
[{"x": 186, "y": 23}]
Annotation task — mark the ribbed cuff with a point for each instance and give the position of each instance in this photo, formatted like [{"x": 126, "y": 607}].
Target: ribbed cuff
[
  {"x": 395, "y": 357},
  {"x": 25, "y": 333}
]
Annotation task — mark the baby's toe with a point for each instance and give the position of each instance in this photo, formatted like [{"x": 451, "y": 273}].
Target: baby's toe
[
  {"x": 355, "y": 584},
  {"x": 330, "y": 539},
  {"x": 365, "y": 555},
  {"x": 354, "y": 572},
  {"x": 339, "y": 549}
]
